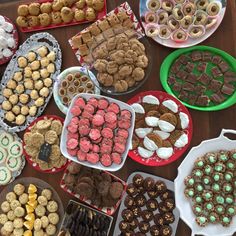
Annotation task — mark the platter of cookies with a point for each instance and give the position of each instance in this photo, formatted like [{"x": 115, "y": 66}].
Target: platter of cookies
[
  {"x": 148, "y": 207},
  {"x": 79, "y": 219},
  {"x": 97, "y": 132},
  {"x": 12, "y": 160},
  {"x": 100, "y": 189},
  {"x": 50, "y": 14},
  {"x": 71, "y": 82},
  {"x": 163, "y": 128},
  {"x": 30, "y": 206},
  {"x": 41, "y": 143},
  {"x": 179, "y": 23},
  {"x": 8, "y": 39},
  {"x": 27, "y": 82},
  {"x": 202, "y": 77},
  {"x": 205, "y": 182}
]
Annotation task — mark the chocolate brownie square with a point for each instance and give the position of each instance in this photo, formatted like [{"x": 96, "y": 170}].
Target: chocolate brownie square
[
  {"x": 223, "y": 66},
  {"x": 183, "y": 95},
  {"x": 204, "y": 79},
  {"x": 182, "y": 74},
  {"x": 177, "y": 87},
  {"x": 215, "y": 85},
  {"x": 202, "y": 66},
  {"x": 171, "y": 80},
  {"x": 227, "y": 89},
  {"x": 216, "y": 72},
  {"x": 217, "y": 98},
  {"x": 216, "y": 59},
  {"x": 183, "y": 59},
  {"x": 206, "y": 56},
  {"x": 188, "y": 87},
  {"x": 175, "y": 67},
  {"x": 196, "y": 56},
  {"x": 200, "y": 89},
  {"x": 192, "y": 99},
  {"x": 202, "y": 100},
  {"x": 191, "y": 78},
  {"x": 189, "y": 67}
]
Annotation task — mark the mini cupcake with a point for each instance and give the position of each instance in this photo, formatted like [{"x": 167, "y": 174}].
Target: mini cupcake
[
  {"x": 233, "y": 155},
  {"x": 178, "y": 138},
  {"x": 229, "y": 199},
  {"x": 143, "y": 152},
  {"x": 218, "y": 199},
  {"x": 207, "y": 180},
  {"x": 167, "y": 5},
  {"x": 230, "y": 210},
  {"x": 189, "y": 8},
  {"x": 227, "y": 188},
  {"x": 167, "y": 122},
  {"x": 199, "y": 188},
  {"x": 220, "y": 209},
  {"x": 150, "y": 17},
  {"x": 223, "y": 156},
  {"x": 150, "y": 103},
  {"x": 219, "y": 167},
  {"x": 139, "y": 111},
  {"x": 153, "y": 5},
  {"x": 198, "y": 199},
  {"x": 152, "y": 118},
  {"x": 152, "y": 142},
  {"x": 168, "y": 106},
  {"x": 166, "y": 151},
  {"x": 208, "y": 170},
  {"x": 230, "y": 165},
  {"x": 218, "y": 177},
  {"x": 182, "y": 121},
  {"x": 151, "y": 30},
  {"x": 228, "y": 176},
  {"x": 213, "y": 9}
]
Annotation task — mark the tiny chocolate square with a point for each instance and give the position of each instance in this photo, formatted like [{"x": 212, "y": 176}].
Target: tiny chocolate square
[
  {"x": 216, "y": 72},
  {"x": 196, "y": 56},
  {"x": 177, "y": 87},
  {"x": 202, "y": 100},
  {"x": 192, "y": 99},
  {"x": 204, "y": 79},
  {"x": 200, "y": 89},
  {"x": 217, "y": 98},
  {"x": 202, "y": 66},
  {"x": 188, "y": 87},
  {"x": 189, "y": 67},
  {"x": 175, "y": 68},
  {"x": 206, "y": 56},
  {"x": 183, "y": 95},
  {"x": 191, "y": 78},
  {"x": 182, "y": 74},
  {"x": 183, "y": 59},
  {"x": 216, "y": 59},
  {"x": 224, "y": 66},
  {"x": 215, "y": 85},
  {"x": 171, "y": 80},
  {"x": 227, "y": 89}
]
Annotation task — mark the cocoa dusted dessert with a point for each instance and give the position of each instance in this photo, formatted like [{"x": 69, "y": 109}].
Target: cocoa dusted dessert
[
  {"x": 102, "y": 189},
  {"x": 148, "y": 208},
  {"x": 202, "y": 78}
]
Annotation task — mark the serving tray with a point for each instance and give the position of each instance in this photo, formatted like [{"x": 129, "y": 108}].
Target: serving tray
[{"x": 183, "y": 204}]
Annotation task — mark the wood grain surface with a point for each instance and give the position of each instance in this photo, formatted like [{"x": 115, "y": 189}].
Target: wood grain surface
[{"x": 206, "y": 124}]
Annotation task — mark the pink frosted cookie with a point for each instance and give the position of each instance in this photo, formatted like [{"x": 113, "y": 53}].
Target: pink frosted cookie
[
  {"x": 106, "y": 160},
  {"x": 114, "y": 108},
  {"x": 74, "y": 120},
  {"x": 93, "y": 102},
  {"x": 116, "y": 158},
  {"x": 98, "y": 141},
  {"x": 75, "y": 111},
  {"x": 98, "y": 120},
  {"x": 72, "y": 135},
  {"x": 124, "y": 124},
  {"x": 72, "y": 143},
  {"x": 93, "y": 158},
  {"x": 96, "y": 148},
  {"x": 125, "y": 115},
  {"x": 111, "y": 125},
  {"x": 87, "y": 115},
  {"x": 89, "y": 108},
  {"x": 84, "y": 121},
  {"x": 84, "y": 130},
  {"x": 119, "y": 147},
  {"x": 81, "y": 156},
  {"x": 110, "y": 117},
  {"x": 106, "y": 146},
  {"x": 84, "y": 144},
  {"x": 101, "y": 112},
  {"x": 107, "y": 133},
  {"x": 72, "y": 152},
  {"x": 72, "y": 128},
  {"x": 103, "y": 103},
  {"x": 94, "y": 134},
  {"x": 123, "y": 132},
  {"x": 120, "y": 139},
  {"x": 80, "y": 103}
]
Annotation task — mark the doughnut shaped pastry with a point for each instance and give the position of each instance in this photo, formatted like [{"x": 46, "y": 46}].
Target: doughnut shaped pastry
[{"x": 153, "y": 5}]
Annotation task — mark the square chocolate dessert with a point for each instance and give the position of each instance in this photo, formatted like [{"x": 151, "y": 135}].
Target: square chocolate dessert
[
  {"x": 204, "y": 79},
  {"x": 200, "y": 89},
  {"x": 223, "y": 66},
  {"x": 192, "y": 99},
  {"x": 227, "y": 89},
  {"x": 191, "y": 78},
  {"x": 216, "y": 72},
  {"x": 206, "y": 56},
  {"x": 196, "y": 56},
  {"x": 183, "y": 59},
  {"x": 177, "y": 87},
  {"x": 215, "y": 85},
  {"x": 183, "y": 95},
  {"x": 202, "y": 100},
  {"x": 202, "y": 66},
  {"x": 182, "y": 74},
  {"x": 189, "y": 67},
  {"x": 216, "y": 59},
  {"x": 188, "y": 87},
  {"x": 217, "y": 98},
  {"x": 171, "y": 80}
]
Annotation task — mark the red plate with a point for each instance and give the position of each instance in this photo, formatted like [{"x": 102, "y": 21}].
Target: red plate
[
  {"x": 16, "y": 38},
  {"x": 28, "y": 157},
  {"x": 38, "y": 28},
  {"x": 178, "y": 152},
  {"x": 107, "y": 210}
]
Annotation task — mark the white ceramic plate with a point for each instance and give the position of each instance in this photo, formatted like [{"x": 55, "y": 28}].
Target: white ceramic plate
[
  {"x": 189, "y": 42},
  {"x": 60, "y": 77},
  {"x": 113, "y": 167},
  {"x": 183, "y": 204}
]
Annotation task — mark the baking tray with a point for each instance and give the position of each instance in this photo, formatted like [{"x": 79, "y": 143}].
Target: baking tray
[
  {"x": 183, "y": 204},
  {"x": 122, "y": 105},
  {"x": 170, "y": 186}
]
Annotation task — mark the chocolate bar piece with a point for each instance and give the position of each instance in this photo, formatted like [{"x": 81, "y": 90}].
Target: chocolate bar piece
[
  {"x": 188, "y": 87},
  {"x": 216, "y": 72},
  {"x": 202, "y": 100},
  {"x": 192, "y": 99},
  {"x": 189, "y": 67},
  {"x": 177, "y": 87},
  {"x": 204, "y": 79},
  {"x": 216, "y": 59},
  {"x": 202, "y": 66},
  {"x": 200, "y": 89},
  {"x": 183, "y": 59},
  {"x": 191, "y": 78},
  {"x": 183, "y": 95},
  {"x": 215, "y": 85},
  {"x": 217, "y": 98},
  {"x": 175, "y": 68},
  {"x": 224, "y": 66},
  {"x": 171, "y": 80},
  {"x": 206, "y": 56},
  {"x": 182, "y": 74},
  {"x": 227, "y": 89},
  {"x": 196, "y": 56}
]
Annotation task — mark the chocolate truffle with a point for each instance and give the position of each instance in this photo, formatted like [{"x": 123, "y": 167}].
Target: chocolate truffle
[
  {"x": 140, "y": 200},
  {"x": 131, "y": 190},
  {"x": 155, "y": 230},
  {"x": 147, "y": 215},
  {"x": 127, "y": 215},
  {"x": 129, "y": 201},
  {"x": 152, "y": 204},
  {"x": 166, "y": 230},
  {"x": 158, "y": 219},
  {"x": 149, "y": 184},
  {"x": 137, "y": 211},
  {"x": 144, "y": 227},
  {"x": 167, "y": 194},
  {"x": 169, "y": 218},
  {"x": 124, "y": 226},
  {"x": 160, "y": 186},
  {"x": 138, "y": 180}
]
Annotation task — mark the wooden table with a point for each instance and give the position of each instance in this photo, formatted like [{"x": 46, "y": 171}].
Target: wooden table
[{"x": 206, "y": 124}]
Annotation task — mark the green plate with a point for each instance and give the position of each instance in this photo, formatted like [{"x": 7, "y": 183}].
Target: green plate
[{"x": 167, "y": 63}]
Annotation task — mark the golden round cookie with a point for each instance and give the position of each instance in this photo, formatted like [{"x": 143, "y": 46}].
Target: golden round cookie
[
  {"x": 23, "y": 10},
  {"x": 33, "y": 21},
  {"x": 31, "y": 150},
  {"x": 51, "y": 137},
  {"x": 56, "y": 126},
  {"x": 45, "y": 19},
  {"x": 37, "y": 140},
  {"x": 46, "y": 7},
  {"x": 43, "y": 124},
  {"x": 90, "y": 14},
  {"x": 67, "y": 14},
  {"x": 56, "y": 17},
  {"x": 43, "y": 165},
  {"x": 34, "y": 9},
  {"x": 55, "y": 152},
  {"x": 98, "y": 5}
]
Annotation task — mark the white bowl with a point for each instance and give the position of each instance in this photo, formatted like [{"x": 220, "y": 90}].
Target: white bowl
[
  {"x": 113, "y": 167},
  {"x": 183, "y": 204}
]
